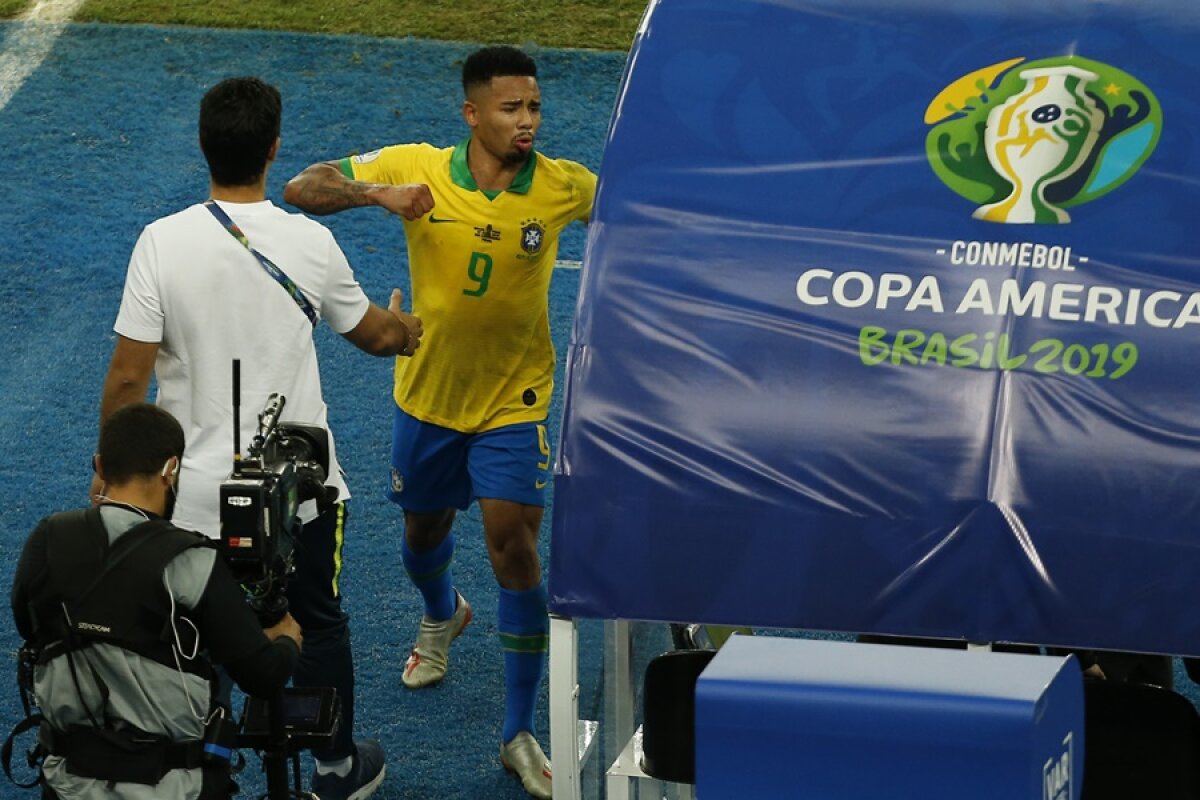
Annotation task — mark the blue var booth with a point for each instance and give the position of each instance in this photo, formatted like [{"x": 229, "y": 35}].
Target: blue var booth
[
  {"x": 890, "y": 323},
  {"x": 802, "y": 718}
]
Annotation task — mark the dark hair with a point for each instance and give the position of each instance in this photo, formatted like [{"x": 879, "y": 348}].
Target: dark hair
[
  {"x": 137, "y": 440},
  {"x": 496, "y": 62},
  {"x": 239, "y": 121}
]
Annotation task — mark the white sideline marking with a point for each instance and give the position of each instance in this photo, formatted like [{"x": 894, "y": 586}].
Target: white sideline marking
[{"x": 29, "y": 41}]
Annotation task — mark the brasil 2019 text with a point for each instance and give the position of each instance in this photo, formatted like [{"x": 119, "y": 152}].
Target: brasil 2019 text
[{"x": 909, "y": 346}]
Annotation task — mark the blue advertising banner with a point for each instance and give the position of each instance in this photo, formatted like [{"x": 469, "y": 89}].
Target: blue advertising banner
[{"x": 889, "y": 323}]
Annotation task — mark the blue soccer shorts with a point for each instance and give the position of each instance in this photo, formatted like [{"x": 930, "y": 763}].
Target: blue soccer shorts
[{"x": 435, "y": 468}]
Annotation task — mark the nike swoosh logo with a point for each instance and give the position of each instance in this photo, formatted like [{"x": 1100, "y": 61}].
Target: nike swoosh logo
[
  {"x": 436, "y": 220},
  {"x": 539, "y": 484}
]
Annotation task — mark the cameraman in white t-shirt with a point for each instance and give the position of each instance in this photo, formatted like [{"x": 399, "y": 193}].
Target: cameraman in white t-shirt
[{"x": 239, "y": 278}]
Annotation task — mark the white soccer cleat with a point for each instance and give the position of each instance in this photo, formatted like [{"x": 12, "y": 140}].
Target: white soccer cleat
[
  {"x": 430, "y": 655},
  {"x": 523, "y": 756}
]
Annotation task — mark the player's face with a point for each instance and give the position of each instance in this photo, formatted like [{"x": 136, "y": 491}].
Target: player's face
[{"x": 505, "y": 116}]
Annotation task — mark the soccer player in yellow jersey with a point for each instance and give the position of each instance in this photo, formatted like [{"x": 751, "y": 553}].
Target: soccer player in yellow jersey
[{"x": 482, "y": 220}]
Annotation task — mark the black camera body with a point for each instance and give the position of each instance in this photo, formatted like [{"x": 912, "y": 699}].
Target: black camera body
[
  {"x": 258, "y": 509},
  {"x": 285, "y": 466}
]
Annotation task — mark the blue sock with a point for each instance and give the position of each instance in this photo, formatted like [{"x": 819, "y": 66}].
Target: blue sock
[
  {"x": 430, "y": 573},
  {"x": 524, "y": 628}
]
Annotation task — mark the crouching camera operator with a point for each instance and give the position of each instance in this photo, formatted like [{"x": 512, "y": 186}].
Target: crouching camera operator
[{"x": 124, "y": 616}]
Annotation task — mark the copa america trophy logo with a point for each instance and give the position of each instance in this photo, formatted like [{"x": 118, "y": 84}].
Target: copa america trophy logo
[{"x": 1027, "y": 144}]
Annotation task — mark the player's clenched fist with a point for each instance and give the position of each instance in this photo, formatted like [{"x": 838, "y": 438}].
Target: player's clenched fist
[{"x": 408, "y": 200}]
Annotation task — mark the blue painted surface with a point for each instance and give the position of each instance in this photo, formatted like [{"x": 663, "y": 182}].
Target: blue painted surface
[
  {"x": 822, "y": 719},
  {"x": 733, "y": 452}
]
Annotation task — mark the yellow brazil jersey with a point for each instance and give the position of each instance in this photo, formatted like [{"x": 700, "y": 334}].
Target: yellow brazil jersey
[{"x": 481, "y": 264}]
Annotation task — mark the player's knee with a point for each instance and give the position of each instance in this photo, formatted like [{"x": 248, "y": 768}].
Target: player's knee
[
  {"x": 424, "y": 532},
  {"x": 515, "y": 561}
]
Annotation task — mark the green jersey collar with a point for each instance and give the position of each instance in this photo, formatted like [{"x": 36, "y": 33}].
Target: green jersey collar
[{"x": 460, "y": 173}]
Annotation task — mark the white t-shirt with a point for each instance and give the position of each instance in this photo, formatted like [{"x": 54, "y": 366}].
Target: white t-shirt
[{"x": 194, "y": 289}]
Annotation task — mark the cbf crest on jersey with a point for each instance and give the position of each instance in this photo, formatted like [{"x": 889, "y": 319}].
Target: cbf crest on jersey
[
  {"x": 1028, "y": 140},
  {"x": 533, "y": 234}
]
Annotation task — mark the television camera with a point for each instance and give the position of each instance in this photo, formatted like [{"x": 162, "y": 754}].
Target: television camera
[{"x": 285, "y": 466}]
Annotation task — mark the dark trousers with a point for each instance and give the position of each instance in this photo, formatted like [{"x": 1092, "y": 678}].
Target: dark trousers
[{"x": 315, "y": 600}]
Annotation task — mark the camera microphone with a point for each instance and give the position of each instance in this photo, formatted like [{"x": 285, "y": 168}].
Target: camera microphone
[
  {"x": 268, "y": 417},
  {"x": 270, "y": 413}
]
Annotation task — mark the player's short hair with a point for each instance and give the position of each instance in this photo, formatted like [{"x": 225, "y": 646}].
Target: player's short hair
[
  {"x": 500, "y": 61},
  {"x": 239, "y": 121},
  {"x": 137, "y": 440}
]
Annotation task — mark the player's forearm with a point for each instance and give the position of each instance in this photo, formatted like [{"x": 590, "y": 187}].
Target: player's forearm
[
  {"x": 323, "y": 189},
  {"x": 386, "y": 332}
]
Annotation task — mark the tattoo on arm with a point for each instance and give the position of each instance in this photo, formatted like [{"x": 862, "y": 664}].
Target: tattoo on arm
[{"x": 323, "y": 189}]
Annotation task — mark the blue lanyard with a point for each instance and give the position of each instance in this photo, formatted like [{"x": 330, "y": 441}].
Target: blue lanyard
[{"x": 275, "y": 272}]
